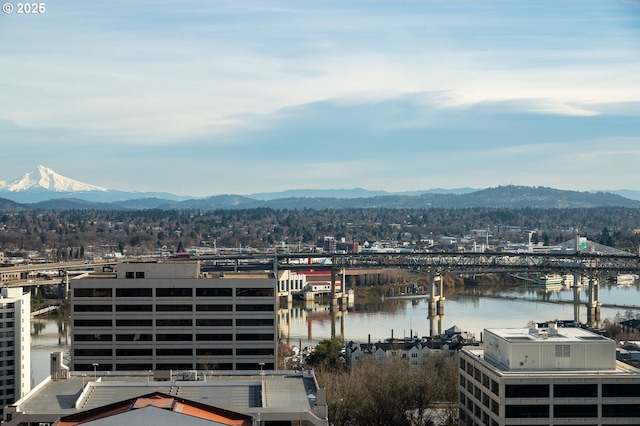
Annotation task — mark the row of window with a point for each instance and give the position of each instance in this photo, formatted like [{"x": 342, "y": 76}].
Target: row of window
[
  {"x": 177, "y": 322},
  {"x": 174, "y": 366},
  {"x": 571, "y": 411},
  {"x": 572, "y": 391},
  {"x": 146, "y": 352},
  {"x": 480, "y": 377},
  {"x": 174, "y": 322},
  {"x": 176, "y": 337},
  {"x": 173, "y": 308},
  {"x": 174, "y": 292}
]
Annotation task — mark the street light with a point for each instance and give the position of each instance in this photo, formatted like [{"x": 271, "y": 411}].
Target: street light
[
  {"x": 95, "y": 368},
  {"x": 262, "y": 368}
]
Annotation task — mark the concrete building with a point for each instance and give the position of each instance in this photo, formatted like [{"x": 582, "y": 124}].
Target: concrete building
[
  {"x": 168, "y": 315},
  {"x": 15, "y": 344},
  {"x": 162, "y": 398},
  {"x": 546, "y": 376}
]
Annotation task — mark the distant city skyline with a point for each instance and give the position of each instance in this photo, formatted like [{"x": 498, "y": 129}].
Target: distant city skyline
[{"x": 248, "y": 97}]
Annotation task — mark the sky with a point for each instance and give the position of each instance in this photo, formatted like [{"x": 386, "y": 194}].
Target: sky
[{"x": 204, "y": 98}]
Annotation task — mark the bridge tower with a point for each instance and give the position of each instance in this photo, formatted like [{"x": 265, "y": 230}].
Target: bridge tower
[
  {"x": 576, "y": 296},
  {"x": 593, "y": 302},
  {"x": 436, "y": 294}
]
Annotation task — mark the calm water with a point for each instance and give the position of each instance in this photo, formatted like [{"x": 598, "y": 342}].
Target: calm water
[{"x": 471, "y": 309}]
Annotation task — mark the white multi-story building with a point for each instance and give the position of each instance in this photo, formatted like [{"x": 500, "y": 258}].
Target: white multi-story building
[
  {"x": 170, "y": 316},
  {"x": 546, "y": 376},
  {"x": 15, "y": 344}
]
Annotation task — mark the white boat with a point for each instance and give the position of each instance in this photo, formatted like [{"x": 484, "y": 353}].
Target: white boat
[
  {"x": 549, "y": 280},
  {"x": 623, "y": 279}
]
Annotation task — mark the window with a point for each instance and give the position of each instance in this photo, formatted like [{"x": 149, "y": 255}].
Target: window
[
  {"x": 254, "y": 351},
  {"x": 134, "y": 352},
  {"x": 214, "y": 337},
  {"x": 129, "y": 275},
  {"x": 254, "y": 292},
  {"x": 92, "y": 308},
  {"x": 92, "y": 352},
  {"x": 254, "y": 336},
  {"x": 620, "y": 410},
  {"x": 139, "y": 274},
  {"x": 495, "y": 388},
  {"x": 254, "y": 322},
  {"x": 563, "y": 351},
  {"x": 174, "y": 352},
  {"x": 214, "y": 292},
  {"x": 92, "y": 292},
  {"x": 621, "y": 390},
  {"x": 134, "y": 323},
  {"x": 214, "y": 308},
  {"x": 214, "y": 322},
  {"x": 92, "y": 337},
  {"x": 174, "y": 337},
  {"x": 177, "y": 322},
  {"x": 527, "y": 391},
  {"x": 253, "y": 308},
  {"x": 214, "y": 351},
  {"x": 133, "y": 292},
  {"x": 526, "y": 411},
  {"x": 575, "y": 410},
  {"x": 134, "y": 337},
  {"x": 174, "y": 292},
  {"x": 92, "y": 323},
  {"x": 174, "y": 308},
  {"x": 575, "y": 391},
  {"x": 134, "y": 308}
]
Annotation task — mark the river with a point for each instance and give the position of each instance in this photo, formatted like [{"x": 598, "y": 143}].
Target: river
[{"x": 472, "y": 309}]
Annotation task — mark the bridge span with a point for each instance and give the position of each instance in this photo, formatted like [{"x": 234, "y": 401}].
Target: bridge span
[
  {"x": 591, "y": 266},
  {"x": 581, "y": 265}
]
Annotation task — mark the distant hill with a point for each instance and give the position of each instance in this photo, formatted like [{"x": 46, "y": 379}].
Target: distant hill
[
  {"x": 10, "y": 206},
  {"x": 349, "y": 193},
  {"x": 500, "y": 197}
]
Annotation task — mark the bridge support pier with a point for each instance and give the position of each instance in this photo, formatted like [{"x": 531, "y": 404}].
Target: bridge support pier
[
  {"x": 66, "y": 284},
  {"x": 576, "y": 297},
  {"x": 435, "y": 325},
  {"x": 436, "y": 299},
  {"x": 593, "y": 304},
  {"x": 436, "y": 304}
]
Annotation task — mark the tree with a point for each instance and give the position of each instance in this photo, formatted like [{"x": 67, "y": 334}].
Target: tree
[
  {"x": 394, "y": 393},
  {"x": 326, "y": 354}
]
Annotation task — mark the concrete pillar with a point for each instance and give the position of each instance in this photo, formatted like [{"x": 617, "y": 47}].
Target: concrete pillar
[
  {"x": 66, "y": 284},
  {"x": 576, "y": 297},
  {"x": 592, "y": 303},
  {"x": 433, "y": 298}
]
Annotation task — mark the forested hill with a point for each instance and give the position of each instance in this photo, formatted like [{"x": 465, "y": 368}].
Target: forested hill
[{"x": 498, "y": 197}]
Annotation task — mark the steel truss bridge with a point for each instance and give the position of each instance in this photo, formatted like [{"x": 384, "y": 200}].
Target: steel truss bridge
[
  {"x": 585, "y": 264},
  {"x": 593, "y": 266}
]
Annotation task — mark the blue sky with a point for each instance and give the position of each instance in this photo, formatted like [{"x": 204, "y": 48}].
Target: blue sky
[{"x": 205, "y": 98}]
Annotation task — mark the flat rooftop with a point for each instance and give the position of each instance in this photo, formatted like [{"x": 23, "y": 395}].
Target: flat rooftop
[
  {"x": 282, "y": 391},
  {"x": 561, "y": 334}
]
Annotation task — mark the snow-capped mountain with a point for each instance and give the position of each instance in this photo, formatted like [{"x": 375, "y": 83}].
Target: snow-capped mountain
[{"x": 45, "y": 179}]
